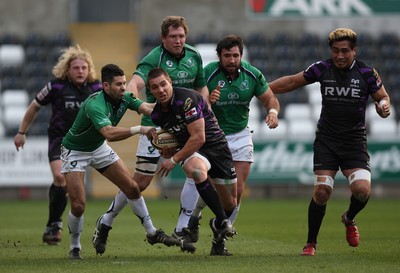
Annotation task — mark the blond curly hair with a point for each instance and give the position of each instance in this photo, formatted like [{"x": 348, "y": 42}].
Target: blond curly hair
[{"x": 60, "y": 70}]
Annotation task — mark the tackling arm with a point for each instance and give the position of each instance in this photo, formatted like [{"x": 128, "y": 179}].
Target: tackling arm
[{"x": 288, "y": 83}]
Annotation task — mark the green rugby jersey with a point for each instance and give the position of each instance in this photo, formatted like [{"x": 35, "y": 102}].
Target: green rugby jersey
[
  {"x": 97, "y": 111},
  {"x": 186, "y": 71},
  {"x": 232, "y": 108}
]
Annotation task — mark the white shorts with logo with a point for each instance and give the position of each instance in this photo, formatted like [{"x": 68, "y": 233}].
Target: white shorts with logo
[
  {"x": 77, "y": 161},
  {"x": 241, "y": 145},
  {"x": 145, "y": 149}
]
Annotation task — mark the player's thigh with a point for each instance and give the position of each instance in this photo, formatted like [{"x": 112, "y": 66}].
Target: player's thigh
[{"x": 118, "y": 173}]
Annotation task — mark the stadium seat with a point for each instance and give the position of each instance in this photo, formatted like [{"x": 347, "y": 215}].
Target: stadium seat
[
  {"x": 16, "y": 97},
  {"x": 12, "y": 116},
  {"x": 314, "y": 94},
  {"x": 207, "y": 52},
  {"x": 296, "y": 111},
  {"x": 301, "y": 129},
  {"x": 2, "y": 130},
  {"x": 280, "y": 132},
  {"x": 383, "y": 129},
  {"x": 12, "y": 55}
]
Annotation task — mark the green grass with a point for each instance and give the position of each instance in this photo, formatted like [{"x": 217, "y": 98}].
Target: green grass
[{"x": 271, "y": 236}]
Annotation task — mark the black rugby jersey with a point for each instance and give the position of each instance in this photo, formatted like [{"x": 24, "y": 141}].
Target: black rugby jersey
[
  {"x": 186, "y": 106},
  {"x": 345, "y": 95},
  {"x": 65, "y": 99}
]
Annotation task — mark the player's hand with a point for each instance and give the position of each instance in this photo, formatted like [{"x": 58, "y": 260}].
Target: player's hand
[
  {"x": 214, "y": 96},
  {"x": 151, "y": 132},
  {"x": 272, "y": 120},
  {"x": 383, "y": 108},
  {"x": 19, "y": 141},
  {"x": 166, "y": 167}
]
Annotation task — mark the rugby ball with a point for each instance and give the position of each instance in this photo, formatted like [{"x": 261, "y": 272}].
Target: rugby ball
[{"x": 165, "y": 139}]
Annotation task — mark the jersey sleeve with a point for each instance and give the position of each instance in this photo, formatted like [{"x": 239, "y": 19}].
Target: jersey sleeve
[
  {"x": 261, "y": 85},
  {"x": 200, "y": 80},
  {"x": 193, "y": 108},
  {"x": 46, "y": 95},
  {"x": 315, "y": 70},
  {"x": 133, "y": 102}
]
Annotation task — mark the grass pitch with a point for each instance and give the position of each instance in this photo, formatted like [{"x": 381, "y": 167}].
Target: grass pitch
[{"x": 271, "y": 236}]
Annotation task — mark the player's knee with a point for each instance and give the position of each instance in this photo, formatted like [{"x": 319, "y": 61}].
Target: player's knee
[
  {"x": 59, "y": 180},
  {"x": 322, "y": 194},
  {"x": 77, "y": 208},
  {"x": 132, "y": 190},
  {"x": 143, "y": 181}
]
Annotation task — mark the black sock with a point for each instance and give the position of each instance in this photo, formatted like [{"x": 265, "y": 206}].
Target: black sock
[
  {"x": 211, "y": 198},
  {"x": 57, "y": 203},
  {"x": 355, "y": 207},
  {"x": 315, "y": 215}
]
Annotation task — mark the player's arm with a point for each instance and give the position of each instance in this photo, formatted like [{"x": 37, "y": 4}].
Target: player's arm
[
  {"x": 382, "y": 102},
  {"x": 135, "y": 85},
  {"x": 146, "y": 108},
  {"x": 271, "y": 104},
  {"x": 288, "y": 83},
  {"x": 30, "y": 115},
  {"x": 111, "y": 133},
  {"x": 197, "y": 138}
]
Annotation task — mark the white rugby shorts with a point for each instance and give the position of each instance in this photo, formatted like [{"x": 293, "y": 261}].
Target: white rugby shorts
[
  {"x": 241, "y": 145},
  {"x": 77, "y": 161}
]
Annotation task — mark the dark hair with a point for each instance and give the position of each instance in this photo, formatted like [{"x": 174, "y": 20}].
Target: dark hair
[
  {"x": 343, "y": 34},
  {"x": 109, "y": 71},
  {"x": 157, "y": 72},
  {"x": 228, "y": 42}
]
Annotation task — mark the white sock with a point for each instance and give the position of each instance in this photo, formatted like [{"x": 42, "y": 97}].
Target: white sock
[
  {"x": 139, "y": 208},
  {"x": 234, "y": 214},
  {"x": 120, "y": 201},
  {"x": 75, "y": 225},
  {"x": 189, "y": 196},
  {"x": 200, "y": 205}
]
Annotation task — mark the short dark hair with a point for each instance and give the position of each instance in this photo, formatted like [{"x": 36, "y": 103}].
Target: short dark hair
[
  {"x": 228, "y": 42},
  {"x": 109, "y": 71},
  {"x": 157, "y": 72}
]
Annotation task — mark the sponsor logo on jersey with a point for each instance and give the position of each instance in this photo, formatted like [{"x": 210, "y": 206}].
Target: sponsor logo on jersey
[
  {"x": 121, "y": 111},
  {"x": 244, "y": 85},
  {"x": 342, "y": 92},
  {"x": 73, "y": 104},
  {"x": 190, "y": 62},
  {"x": 377, "y": 77},
  {"x": 182, "y": 74},
  {"x": 233, "y": 96},
  {"x": 188, "y": 104},
  {"x": 191, "y": 113}
]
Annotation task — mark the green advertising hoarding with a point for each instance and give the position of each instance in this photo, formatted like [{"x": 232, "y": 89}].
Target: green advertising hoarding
[
  {"x": 317, "y": 8},
  {"x": 286, "y": 162}
]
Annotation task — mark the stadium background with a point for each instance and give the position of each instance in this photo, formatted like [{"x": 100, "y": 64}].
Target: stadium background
[{"x": 281, "y": 37}]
